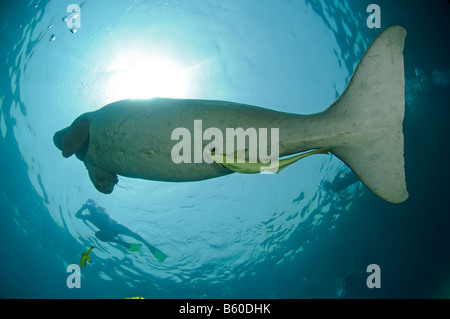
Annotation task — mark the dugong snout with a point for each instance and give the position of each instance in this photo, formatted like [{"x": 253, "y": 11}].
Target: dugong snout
[
  {"x": 73, "y": 139},
  {"x": 58, "y": 138}
]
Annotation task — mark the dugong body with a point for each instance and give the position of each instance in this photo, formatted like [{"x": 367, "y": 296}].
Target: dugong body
[{"x": 134, "y": 138}]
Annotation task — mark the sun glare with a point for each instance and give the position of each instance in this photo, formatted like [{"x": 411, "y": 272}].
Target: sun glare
[{"x": 139, "y": 76}]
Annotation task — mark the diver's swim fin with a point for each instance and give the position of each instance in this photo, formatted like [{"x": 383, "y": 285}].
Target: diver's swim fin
[
  {"x": 231, "y": 162},
  {"x": 134, "y": 247},
  {"x": 158, "y": 254}
]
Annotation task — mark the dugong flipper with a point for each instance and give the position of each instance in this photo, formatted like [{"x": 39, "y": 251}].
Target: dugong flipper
[
  {"x": 363, "y": 127},
  {"x": 103, "y": 180}
]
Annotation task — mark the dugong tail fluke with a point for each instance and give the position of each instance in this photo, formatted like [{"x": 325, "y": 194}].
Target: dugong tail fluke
[
  {"x": 173, "y": 139},
  {"x": 371, "y": 110}
]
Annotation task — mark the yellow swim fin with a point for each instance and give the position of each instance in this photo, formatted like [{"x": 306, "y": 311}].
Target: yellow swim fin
[
  {"x": 230, "y": 162},
  {"x": 85, "y": 256}
]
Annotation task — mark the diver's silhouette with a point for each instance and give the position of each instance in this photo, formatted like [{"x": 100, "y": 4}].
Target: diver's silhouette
[{"x": 109, "y": 229}]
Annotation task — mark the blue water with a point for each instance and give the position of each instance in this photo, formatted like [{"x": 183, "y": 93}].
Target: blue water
[{"x": 300, "y": 234}]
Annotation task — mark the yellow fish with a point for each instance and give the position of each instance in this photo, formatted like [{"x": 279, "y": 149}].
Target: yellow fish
[
  {"x": 134, "y": 297},
  {"x": 85, "y": 256},
  {"x": 230, "y": 162}
]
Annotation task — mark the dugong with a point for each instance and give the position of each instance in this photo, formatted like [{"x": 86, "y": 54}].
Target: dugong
[{"x": 363, "y": 128}]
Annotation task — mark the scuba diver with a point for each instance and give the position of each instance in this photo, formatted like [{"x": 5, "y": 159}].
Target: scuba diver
[
  {"x": 351, "y": 282},
  {"x": 109, "y": 229}
]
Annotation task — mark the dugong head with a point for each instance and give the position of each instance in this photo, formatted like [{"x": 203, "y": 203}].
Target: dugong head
[{"x": 75, "y": 140}]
